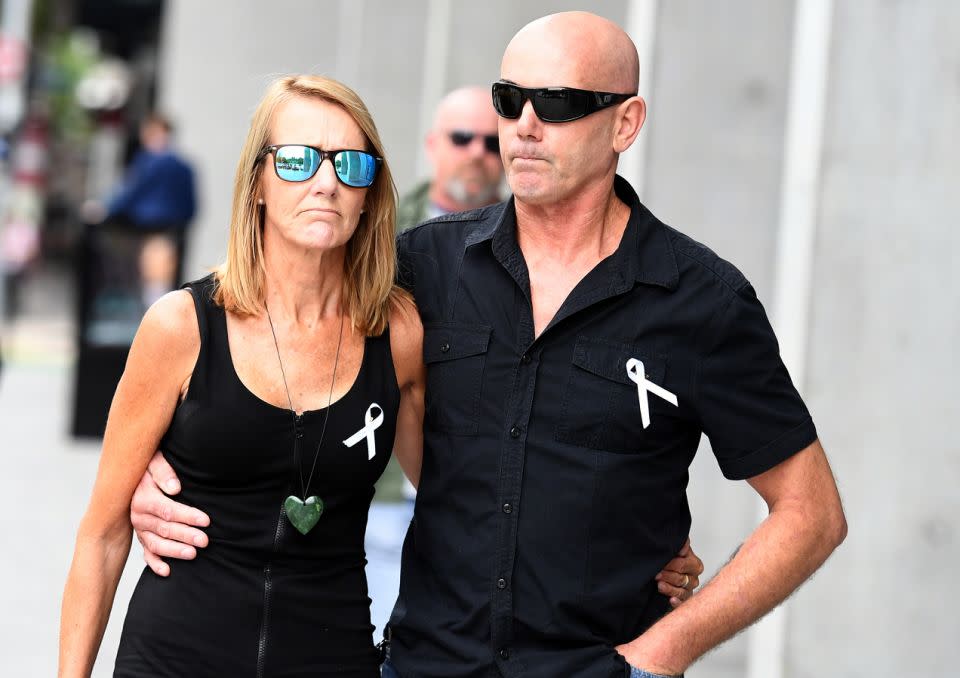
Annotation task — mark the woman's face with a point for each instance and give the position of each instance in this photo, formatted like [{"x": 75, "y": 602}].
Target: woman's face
[{"x": 320, "y": 213}]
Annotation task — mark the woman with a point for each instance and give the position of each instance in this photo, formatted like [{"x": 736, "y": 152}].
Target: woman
[{"x": 277, "y": 388}]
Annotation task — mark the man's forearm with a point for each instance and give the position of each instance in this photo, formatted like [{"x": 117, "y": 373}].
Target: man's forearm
[{"x": 780, "y": 554}]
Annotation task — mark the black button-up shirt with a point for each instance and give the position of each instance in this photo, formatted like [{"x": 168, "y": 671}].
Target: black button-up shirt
[{"x": 548, "y": 500}]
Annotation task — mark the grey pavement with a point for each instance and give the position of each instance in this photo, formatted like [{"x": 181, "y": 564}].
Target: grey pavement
[{"x": 48, "y": 483}]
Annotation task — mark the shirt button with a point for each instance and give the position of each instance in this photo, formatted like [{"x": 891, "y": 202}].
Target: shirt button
[
  {"x": 525, "y": 358},
  {"x": 515, "y": 432},
  {"x": 501, "y": 583},
  {"x": 507, "y": 508},
  {"x": 444, "y": 347},
  {"x": 504, "y": 653}
]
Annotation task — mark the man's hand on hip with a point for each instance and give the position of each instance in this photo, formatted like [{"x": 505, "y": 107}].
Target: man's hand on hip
[{"x": 165, "y": 528}]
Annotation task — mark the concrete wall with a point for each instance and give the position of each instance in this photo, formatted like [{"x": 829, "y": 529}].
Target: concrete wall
[
  {"x": 881, "y": 376},
  {"x": 715, "y": 150}
]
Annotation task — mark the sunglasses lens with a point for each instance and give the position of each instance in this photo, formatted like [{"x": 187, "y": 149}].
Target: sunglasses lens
[
  {"x": 296, "y": 163},
  {"x": 491, "y": 142},
  {"x": 355, "y": 168},
  {"x": 461, "y": 138},
  {"x": 560, "y": 105},
  {"x": 507, "y": 100}
]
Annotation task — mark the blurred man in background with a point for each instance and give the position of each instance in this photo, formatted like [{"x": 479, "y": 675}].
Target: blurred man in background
[
  {"x": 157, "y": 196},
  {"x": 464, "y": 151},
  {"x": 158, "y": 190}
]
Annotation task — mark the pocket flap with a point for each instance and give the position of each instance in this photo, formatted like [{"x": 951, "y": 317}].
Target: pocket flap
[
  {"x": 608, "y": 359},
  {"x": 451, "y": 340}
]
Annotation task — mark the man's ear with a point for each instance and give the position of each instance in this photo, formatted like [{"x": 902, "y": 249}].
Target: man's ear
[
  {"x": 631, "y": 115},
  {"x": 430, "y": 144}
]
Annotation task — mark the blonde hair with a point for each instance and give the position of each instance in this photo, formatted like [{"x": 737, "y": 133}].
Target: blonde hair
[{"x": 370, "y": 261}]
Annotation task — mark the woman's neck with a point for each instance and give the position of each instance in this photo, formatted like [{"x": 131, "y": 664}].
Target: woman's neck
[{"x": 303, "y": 286}]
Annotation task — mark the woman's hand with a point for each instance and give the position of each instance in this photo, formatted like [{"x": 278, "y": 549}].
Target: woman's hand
[{"x": 680, "y": 576}]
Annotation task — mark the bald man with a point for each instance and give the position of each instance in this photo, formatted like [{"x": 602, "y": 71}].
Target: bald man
[
  {"x": 577, "y": 348},
  {"x": 464, "y": 151}
]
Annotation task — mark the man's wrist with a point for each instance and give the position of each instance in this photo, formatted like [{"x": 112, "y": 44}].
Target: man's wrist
[{"x": 647, "y": 655}]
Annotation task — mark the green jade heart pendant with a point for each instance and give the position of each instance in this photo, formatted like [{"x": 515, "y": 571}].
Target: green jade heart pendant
[{"x": 303, "y": 515}]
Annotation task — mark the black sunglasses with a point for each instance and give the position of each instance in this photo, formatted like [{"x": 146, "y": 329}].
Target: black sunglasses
[
  {"x": 552, "y": 104},
  {"x": 491, "y": 142},
  {"x": 299, "y": 162}
]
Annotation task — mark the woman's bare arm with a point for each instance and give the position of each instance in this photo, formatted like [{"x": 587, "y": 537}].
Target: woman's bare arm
[
  {"x": 406, "y": 344},
  {"x": 158, "y": 367}
]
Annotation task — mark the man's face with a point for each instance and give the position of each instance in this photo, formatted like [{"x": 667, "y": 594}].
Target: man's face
[
  {"x": 154, "y": 136},
  {"x": 467, "y": 169},
  {"x": 546, "y": 163}
]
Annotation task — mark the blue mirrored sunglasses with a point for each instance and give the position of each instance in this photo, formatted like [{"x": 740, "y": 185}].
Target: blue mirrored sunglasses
[{"x": 299, "y": 162}]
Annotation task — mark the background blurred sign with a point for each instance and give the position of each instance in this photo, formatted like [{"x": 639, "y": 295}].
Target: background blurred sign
[{"x": 13, "y": 58}]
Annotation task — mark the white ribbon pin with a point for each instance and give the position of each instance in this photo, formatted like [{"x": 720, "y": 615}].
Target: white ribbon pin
[
  {"x": 371, "y": 424},
  {"x": 639, "y": 377}
]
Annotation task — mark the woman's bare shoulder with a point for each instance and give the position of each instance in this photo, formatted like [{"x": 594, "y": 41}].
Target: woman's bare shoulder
[
  {"x": 170, "y": 327},
  {"x": 406, "y": 339}
]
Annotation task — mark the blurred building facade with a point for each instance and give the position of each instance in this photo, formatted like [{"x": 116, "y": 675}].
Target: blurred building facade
[{"x": 879, "y": 373}]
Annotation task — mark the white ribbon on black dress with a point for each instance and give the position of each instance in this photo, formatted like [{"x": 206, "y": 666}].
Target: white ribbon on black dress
[{"x": 371, "y": 424}]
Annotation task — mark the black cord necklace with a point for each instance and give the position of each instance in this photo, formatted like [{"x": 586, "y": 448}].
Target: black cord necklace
[{"x": 304, "y": 512}]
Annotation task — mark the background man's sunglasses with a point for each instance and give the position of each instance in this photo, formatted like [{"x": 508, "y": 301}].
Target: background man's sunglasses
[
  {"x": 552, "y": 104},
  {"x": 298, "y": 162},
  {"x": 491, "y": 142}
]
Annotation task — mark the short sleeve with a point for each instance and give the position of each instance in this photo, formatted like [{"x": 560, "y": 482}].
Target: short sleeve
[{"x": 748, "y": 405}]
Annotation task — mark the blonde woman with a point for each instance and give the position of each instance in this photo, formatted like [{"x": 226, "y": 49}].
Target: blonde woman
[{"x": 277, "y": 388}]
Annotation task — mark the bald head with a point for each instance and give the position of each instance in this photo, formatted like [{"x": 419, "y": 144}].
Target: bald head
[
  {"x": 465, "y": 107},
  {"x": 575, "y": 49}
]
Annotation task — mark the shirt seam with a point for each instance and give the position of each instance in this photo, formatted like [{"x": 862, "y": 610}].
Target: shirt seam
[{"x": 718, "y": 276}]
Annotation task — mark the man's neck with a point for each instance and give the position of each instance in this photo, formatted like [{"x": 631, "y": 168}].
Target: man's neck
[
  {"x": 564, "y": 241},
  {"x": 578, "y": 231}
]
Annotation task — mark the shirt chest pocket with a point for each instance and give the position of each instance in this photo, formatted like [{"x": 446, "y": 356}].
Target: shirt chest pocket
[
  {"x": 455, "y": 355},
  {"x": 601, "y": 407}
]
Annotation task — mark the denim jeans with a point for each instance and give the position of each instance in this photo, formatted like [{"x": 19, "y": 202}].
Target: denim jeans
[
  {"x": 387, "y": 670},
  {"x": 640, "y": 673}
]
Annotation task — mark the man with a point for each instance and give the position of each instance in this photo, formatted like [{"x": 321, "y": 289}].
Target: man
[
  {"x": 158, "y": 196},
  {"x": 464, "y": 151},
  {"x": 576, "y": 348},
  {"x": 158, "y": 189}
]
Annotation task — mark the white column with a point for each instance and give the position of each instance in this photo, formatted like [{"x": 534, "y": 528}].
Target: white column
[
  {"x": 642, "y": 29},
  {"x": 794, "y": 256},
  {"x": 435, "y": 55}
]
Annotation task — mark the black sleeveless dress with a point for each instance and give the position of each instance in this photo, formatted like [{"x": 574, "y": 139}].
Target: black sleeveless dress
[{"x": 263, "y": 600}]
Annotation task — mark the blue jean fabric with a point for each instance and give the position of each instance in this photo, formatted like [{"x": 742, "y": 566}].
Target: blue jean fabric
[
  {"x": 640, "y": 673},
  {"x": 387, "y": 670}
]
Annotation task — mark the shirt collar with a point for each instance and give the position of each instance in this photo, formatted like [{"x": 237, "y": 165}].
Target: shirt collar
[{"x": 645, "y": 253}]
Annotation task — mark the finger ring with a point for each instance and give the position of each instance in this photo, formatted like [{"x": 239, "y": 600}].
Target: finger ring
[{"x": 686, "y": 580}]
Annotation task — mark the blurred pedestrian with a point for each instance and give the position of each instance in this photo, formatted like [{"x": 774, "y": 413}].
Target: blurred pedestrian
[
  {"x": 464, "y": 152},
  {"x": 158, "y": 190},
  {"x": 156, "y": 201}
]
